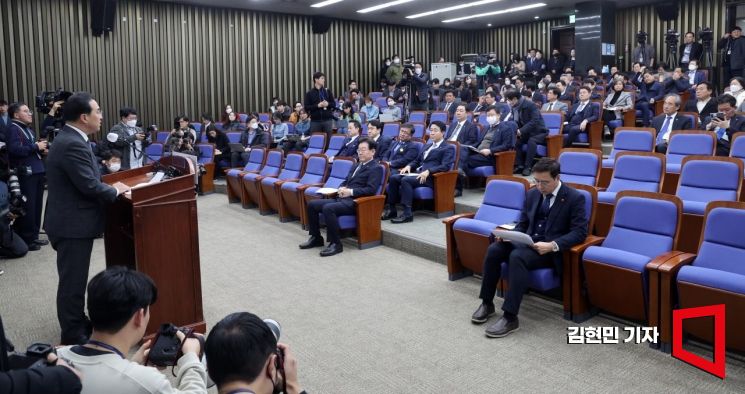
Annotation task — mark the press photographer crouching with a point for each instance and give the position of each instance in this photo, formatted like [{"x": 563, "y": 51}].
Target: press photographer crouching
[
  {"x": 25, "y": 156},
  {"x": 244, "y": 357},
  {"x": 119, "y": 302}
]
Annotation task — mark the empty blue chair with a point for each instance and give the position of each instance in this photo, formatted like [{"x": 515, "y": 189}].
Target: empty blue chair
[
  {"x": 363, "y": 131},
  {"x": 162, "y": 136},
  {"x": 642, "y": 171},
  {"x": 630, "y": 139},
  {"x": 442, "y": 116},
  {"x": 469, "y": 235},
  {"x": 363, "y": 116},
  {"x": 154, "y": 151},
  {"x": 234, "y": 175},
  {"x": 289, "y": 199},
  {"x": 418, "y": 117},
  {"x": 715, "y": 276},
  {"x": 391, "y": 129},
  {"x": 381, "y": 102},
  {"x": 265, "y": 117},
  {"x": 316, "y": 143},
  {"x": 554, "y": 141},
  {"x": 196, "y": 126},
  {"x": 243, "y": 118},
  {"x": 482, "y": 121},
  {"x": 547, "y": 279},
  {"x": 645, "y": 229},
  {"x": 418, "y": 131},
  {"x": 580, "y": 166},
  {"x": 737, "y": 147},
  {"x": 290, "y": 127},
  {"x": 338, "y": 174},
  {"x": 272, "y": 166},
  {"x": 335, "y": 144},
  {"x": 376, "y": 95},
  {"x": 704, "y": 179},
  {"x": 234, "y": 137},
  {"x": 270, "y": 186},
  {"x": 219, "y": 126},
  {"x": 368, "y": 214},
  {"x": 686, "y": 143},
  {"x": 441, "y": 194},
  {"x": 206, "y": 153}
]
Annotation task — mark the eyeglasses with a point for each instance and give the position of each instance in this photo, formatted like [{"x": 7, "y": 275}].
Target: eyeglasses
[
  {"x": 361, "y": 150},
  {"x": 540, "y": 182}
]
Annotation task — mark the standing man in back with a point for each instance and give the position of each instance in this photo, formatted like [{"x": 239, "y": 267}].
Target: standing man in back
[
  {"x": 75, "y": 210},
  {"x": 319, "y": 104}
]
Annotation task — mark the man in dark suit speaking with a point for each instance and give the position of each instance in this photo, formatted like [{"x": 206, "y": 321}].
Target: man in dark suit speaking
[
  {"x": 363, "y": 180},
  {"x": 554, "y": 217},
  {"x": 74, "y": 213}
]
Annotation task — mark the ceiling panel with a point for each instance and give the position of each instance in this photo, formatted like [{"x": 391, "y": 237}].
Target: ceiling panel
[{"x": 347, "y": 9}]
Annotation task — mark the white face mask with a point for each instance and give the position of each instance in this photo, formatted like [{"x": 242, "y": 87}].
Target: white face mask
[
  {"x": 228, "y": 110},
  {"x": 254, "y": 126},
  {"x": 734, "y": 88},
  {"x": 114, "y": 167},
  {"x": 541, "y": 85},
  {"x": 388, "y": 63},
  {"x": 131, "y": 123},
  {"x": 492, "y": 120},
  {"x": 396, "y": 61},
  {"x": 391, "y": 103},
  {"x": 692, "y": 67},
  {"x": 418, "y": 70}
]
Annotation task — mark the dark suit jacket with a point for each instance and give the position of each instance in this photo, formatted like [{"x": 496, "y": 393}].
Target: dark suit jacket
[
  {"x": 365, "y": 182},
  {"x": 556, "y": 65},
  {"x": 350, "y": 147},
  {"x": 679, "y": 123},
  {"x": 464, "y": 69},
  {"x": 396, "y": 94},
  {"x": 260, "y": 139},
  {"x": 696, "y": 51},
  {"x": 567, "y": 96},
  {"x": 672, "y": 86},
  {"x": 21, "y": 151},
  {"x": 698, "y": 77},
  {"x": 401, "y": 154},
  {"x": 531, "y": 122},
  {"x": 421, "y": 84},
  {"x": 451, "y": 110},
  {"x": 505, "y": 135},
  {"x": 737, "y": 57},
  {"x": 76, "y": 195},
  {"x": 3, "y": 127},
  {"x": 709, "y": 108},
  {"x": 736, "y": 124},
  {"x": 591, "y": 113},
  {"x": 384, "y": 145},
  {"x": 566, "y": 224},
  {"x": 653, "y": 91},
  {"x": 469, "y": 133},
  {"x": 438, "y": 160}
]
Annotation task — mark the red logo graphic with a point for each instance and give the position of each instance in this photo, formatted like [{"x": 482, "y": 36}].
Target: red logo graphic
[{"x": 716, "y": 367}]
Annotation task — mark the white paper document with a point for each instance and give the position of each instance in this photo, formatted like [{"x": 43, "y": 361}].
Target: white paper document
[
  {"x": 513, "y": 236},
  {"x": 327, "y": 190}
]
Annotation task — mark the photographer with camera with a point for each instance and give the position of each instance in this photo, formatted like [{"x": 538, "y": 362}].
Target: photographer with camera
[
  {"x": 733, "y": 46},
  {"x": 25, "y": 159},
  {"x": 725, "y": 123},
  {"x": 245, "y": 357},
  {"x": 643, "y": 53},
  {"x": 119, "y": 301},
  {"x": 131, "y": 141}
]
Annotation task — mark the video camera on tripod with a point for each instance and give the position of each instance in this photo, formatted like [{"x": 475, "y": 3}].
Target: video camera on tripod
[
  {"x": 671, "y": 39},
  {"x": 45, "y": 101}
]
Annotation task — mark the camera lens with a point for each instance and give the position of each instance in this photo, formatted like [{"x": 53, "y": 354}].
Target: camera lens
[{"x": 275, "y": 327}]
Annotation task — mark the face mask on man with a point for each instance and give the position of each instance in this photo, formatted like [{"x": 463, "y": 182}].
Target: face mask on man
[
  {"x": 492, "y": 120},
  {"x": 114, "y": 166},
  {"x": 692, "y": 67},
  {"x": 131, "y": 123},
  {"x": 388, "y": 63},
  {"x": 396, "y": 61},
  {"x": 418, "y": 70},
  {"x": 228, "y": 110},
  {"x": 254, "y": 126}
]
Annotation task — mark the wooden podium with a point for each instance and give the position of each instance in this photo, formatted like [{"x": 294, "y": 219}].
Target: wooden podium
[{"x": 154, "y": 230}]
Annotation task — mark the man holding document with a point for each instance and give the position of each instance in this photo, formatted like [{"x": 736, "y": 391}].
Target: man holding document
[{"x": 552, "y": 220}]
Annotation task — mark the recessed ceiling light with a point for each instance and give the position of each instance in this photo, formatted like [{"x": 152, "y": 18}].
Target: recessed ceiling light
[
  {"x": 536, "y": 17},
  {"x": 325, "y": 3},
  {"x": 455, "y": 7},
  {"x": 381, "y": 6},
  {"x": 488, "y": 24},
  {"x": 516, "y": 9}
]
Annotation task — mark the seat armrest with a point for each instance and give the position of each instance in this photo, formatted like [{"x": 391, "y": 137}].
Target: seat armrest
[
  {"x": 554, "y": 143},
  {"x": 656, "y": 262},
  {"x": 595, "y": 134},
  {"x": 449, "y": 221},
  {"x": 455, "y": 269},
  {"x": 674, "y": 264},
  {"x": 662, "y": 274},
  {"x": 591, "y": 240},
  {"x": 576, "y": 304},
  {"x": 504, "y": 162},
  {"x": 444, "y": 189}
]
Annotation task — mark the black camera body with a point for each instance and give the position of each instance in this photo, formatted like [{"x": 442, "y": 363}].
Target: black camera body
[
  {"x": 166, "y": 346},
  {"x": 45, "y": 101},
  {"x": 706, "y": 35},
  {"x": 671, "y": 37},
  {"x": 16, "y": 199},
  {"x": 35, "y": 357}
]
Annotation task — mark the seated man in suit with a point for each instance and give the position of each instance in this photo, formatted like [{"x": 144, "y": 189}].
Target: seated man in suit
[
  {"x": 393, "y": 92},
  {"x": 466, "y": 134},
  {"x": 531, "y": 129},
  {"x": 590, "y": 83},
  {"x": 554, "y": 217},
  {"x": 694, "y": 75},
  {"x": 449, "y": 104},
  {"x": 553, "y": 103},
  {"x": 677, "y": 83},
  {"x": 363, "y": 180},
  {"x": 726, "y": 123},
  {"x": 382, "y": 142},
  {"x": 702, "y": 104},
  {"x": 650, "y": 91},
  {"x": 350, "y": 144},
  {"x": 500, "y": 137},
  {"x": 565, "y": 92},
  {"x": 403, "y": 151},
  {"x": 436, "y": 157},
  {"x": 669, "y": 121},
  {"x": 584, "y": 113}
]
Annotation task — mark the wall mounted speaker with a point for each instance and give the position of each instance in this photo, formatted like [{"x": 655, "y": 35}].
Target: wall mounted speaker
[{"x": 103, "y": 13}]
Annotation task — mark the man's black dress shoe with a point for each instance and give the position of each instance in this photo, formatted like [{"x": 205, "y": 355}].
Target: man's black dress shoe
[
  {"x": 331, "y": 250},
  {"x": 526, "y": 172},
  {"x": 403, "y": 219},
  {"x": 502, "y": 328},
  {"x": 458, "y": 193},
  {"x": 388, "y": 214},
  {"x": 482, "y": 314},
  {"x": 312, "y": 242},
  {"x": 41, "y": 242},
  {"x": 518, "y": 170},
  {"x": 34, "y": 246}
]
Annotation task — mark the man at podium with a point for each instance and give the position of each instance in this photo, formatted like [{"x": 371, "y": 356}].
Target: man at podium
[{"x": 74, "y": 213}]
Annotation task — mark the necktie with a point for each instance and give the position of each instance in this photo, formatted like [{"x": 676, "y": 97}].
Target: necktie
[
  {"x": 721, "y": 134},
  {"x": 395, "y": 149},
  {"x": 664, "y": 130},
  {"x": 355, "y": 171},
  {"x": 515, "y": 116},
  {"x": 454, "y": 137},
  {"x": 431, "y": 147},
  {"x": 550, "y": 106},
  {"x": 546, "y": 206},
  {"x": 29, "y": 135},
  {"x": 447, "y": 106},
  {"x": 581, "y": 108}
]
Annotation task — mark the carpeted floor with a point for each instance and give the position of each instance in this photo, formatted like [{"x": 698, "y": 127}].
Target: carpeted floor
[{"x": 373, "y": 321}]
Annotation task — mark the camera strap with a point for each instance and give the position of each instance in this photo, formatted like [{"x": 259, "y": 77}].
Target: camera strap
[{"x": 106, "y": 346}]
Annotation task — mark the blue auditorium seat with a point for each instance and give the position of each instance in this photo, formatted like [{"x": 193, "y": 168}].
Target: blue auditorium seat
[
  {"x": 269, "y": 188},
  {"x": 335, "y": 144},
  {"x": 249, "y": 181},
  {"x": 315, "y": 173},
  {"x": 234, "y": 175},
  {"x": 580, "y": 165},
  {"x": 316, "y": 144}
]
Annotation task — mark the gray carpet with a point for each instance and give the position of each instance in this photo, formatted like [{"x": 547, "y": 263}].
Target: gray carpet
[{"x": 374, "y": 321}]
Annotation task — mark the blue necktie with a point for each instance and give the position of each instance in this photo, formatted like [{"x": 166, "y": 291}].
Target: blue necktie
[
  {"x": 546, "y": 206},
  {"x": 720, "y": 133},
  {"x": 665, "y": 128}
]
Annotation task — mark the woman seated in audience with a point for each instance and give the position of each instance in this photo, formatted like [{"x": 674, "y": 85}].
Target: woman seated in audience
[
  {"x": 180, "y": 142},
  {"x": 256, "y": 136},
  {"x": 295, "y": 115},
  {"x": 224, "y": 115},
  {"x": 517, "y": 67},
  {"x": 616, "y": 103},
  {"x": 467, "y": 91},
  {"x": 370, "y": 110},
  {"x": 222, "y": 149},
  {"x": 302, "y": 132},
  {"x": 183, "y": 127},
  {"x": 347, "y": 114},
  {"x": 233, "y": 124},
  {"x": 737, "y": 89},
  {"x": 394, "y": 111},
  {"x": 279, "y": 130}
]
